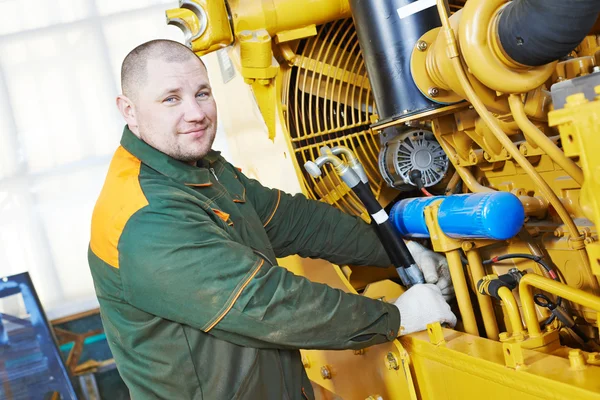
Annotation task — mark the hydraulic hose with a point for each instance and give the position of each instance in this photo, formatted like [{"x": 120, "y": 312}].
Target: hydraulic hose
[
  {"x": 537, "y": 32},
  {"x": 392, "y": 242},
  {"x": 394, "y": 246}
]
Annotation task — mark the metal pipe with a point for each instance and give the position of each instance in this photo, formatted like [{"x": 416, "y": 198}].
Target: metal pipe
[
  {"x": 485, "y": 302},
  {"x": 512, "y": 309},
  {"x": 462, "y": 292},
  {"x": 530, "y": 281},
  {"x": 351, "y": 158},
  {"x": 530, "y": 130},
  {"x": 284, "y": 15}
]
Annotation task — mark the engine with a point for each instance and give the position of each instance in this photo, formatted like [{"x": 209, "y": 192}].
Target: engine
[{"x": 477, "y": 125}]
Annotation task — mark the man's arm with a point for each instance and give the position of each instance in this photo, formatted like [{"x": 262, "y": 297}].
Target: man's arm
[
  {"x": 189, "y": 270},
  {"x": 296, "y": 225}
]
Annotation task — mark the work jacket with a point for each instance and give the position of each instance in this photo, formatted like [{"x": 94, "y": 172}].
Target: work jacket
[{"x": 193, "y": 303}]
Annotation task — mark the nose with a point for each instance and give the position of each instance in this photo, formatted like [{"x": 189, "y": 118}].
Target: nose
[{"x": 193, "y": 111}]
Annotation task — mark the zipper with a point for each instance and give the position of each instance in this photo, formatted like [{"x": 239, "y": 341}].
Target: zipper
[
  {"x": 212, "y": 170},
  {"x": 264, "y": 257}
]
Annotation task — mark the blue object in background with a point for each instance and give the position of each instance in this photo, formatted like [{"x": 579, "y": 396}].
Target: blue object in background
[
  {"x": 497, "y": 215},
  {"x": 407, "y": 216},
  {"x": 31, "y": 365}
]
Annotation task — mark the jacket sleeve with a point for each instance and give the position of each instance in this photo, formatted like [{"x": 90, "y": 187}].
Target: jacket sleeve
[
  {"x": 183, "y": 267},
  {"x": 309, "y": 228}
]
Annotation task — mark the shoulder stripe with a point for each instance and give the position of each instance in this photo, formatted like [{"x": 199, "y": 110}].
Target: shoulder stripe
[{"x": 120, "y": 198}]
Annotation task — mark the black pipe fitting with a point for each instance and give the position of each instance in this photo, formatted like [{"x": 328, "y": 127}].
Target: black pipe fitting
[{"x": 493, "y": 286}]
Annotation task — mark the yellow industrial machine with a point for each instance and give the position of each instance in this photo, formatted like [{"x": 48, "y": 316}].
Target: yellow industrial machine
[{"x": 480, "y": 96}]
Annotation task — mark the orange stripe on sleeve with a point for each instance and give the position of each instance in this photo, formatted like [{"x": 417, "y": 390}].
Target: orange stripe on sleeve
[
  {"x": 241, "y": 289},
  {"x": 275, "y": 209}
]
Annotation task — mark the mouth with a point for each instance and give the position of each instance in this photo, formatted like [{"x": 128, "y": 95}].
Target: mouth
[{"x": 194, "y": 132}]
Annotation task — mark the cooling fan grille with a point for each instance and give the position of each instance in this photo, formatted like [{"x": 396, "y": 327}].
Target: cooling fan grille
[{"x": 328, "y": 101}]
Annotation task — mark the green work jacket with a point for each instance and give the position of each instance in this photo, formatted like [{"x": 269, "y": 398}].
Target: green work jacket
[{"x": 193, "y": 303}]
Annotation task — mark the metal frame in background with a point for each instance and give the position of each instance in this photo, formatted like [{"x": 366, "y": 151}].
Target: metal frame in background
[{"x": 34, "y": 356}]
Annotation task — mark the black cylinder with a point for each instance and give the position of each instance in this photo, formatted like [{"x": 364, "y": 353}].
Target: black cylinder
[
  {"x": 387, "y": 42},
  {"x": 536, "y": 32}
]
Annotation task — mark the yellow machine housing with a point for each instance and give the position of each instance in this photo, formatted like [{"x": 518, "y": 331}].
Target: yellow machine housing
[{"x": 500, "y": 132}]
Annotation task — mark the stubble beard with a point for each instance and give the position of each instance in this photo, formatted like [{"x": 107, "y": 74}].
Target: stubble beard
[{"x": 175, "y": 150}]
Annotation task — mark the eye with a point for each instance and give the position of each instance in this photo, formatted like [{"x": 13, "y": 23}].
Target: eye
[
  {"x": 203, "y": 95},
  {"x": 170, "y": 99}
]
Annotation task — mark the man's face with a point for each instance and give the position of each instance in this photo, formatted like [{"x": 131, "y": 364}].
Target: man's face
[{"x": 175, "y": 110}]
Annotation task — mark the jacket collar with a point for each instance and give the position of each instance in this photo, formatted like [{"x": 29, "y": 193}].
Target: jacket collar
[{"x": 166, "y": 165}]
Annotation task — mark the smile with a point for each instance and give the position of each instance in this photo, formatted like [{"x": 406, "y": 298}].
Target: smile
[{"x": 194, "y": 132}]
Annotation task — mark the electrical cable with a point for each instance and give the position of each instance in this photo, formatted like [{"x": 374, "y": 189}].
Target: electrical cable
[
  {"x": 426, "y": 192},
  {"x": 540, "y": 262}
]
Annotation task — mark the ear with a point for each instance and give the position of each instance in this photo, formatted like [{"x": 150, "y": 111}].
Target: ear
[{"x": 127, "y": 110}]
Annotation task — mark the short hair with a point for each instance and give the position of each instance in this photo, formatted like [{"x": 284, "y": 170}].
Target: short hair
[{"x": 134, "y": 70}]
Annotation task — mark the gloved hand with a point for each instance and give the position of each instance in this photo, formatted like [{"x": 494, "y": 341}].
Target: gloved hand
[
  {"x": 434, "y": 267},
  {"x": 421, "y": 305}
]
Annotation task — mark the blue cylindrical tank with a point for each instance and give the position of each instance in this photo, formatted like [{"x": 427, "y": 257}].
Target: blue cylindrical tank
[
  {"x": 407, "y": 216},
  {"x": 497, "y": 215}
]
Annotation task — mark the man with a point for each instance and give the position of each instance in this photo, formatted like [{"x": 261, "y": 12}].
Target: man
[{"x": 183, "y": 255}]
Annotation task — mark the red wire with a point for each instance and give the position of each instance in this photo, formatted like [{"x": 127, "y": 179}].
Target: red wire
[{"x": 426, "y": 193}]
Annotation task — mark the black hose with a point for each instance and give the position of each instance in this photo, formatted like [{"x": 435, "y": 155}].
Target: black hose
[
  {"x": 536, "y": 32},
  {"x": 390, "y": 238}
]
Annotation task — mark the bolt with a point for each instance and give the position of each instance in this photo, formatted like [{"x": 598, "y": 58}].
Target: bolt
[
  {"x": 433, "y": 92},
  {"x": 245, "y": 35},
  {"x": 391, "y": 361},
  {"x": 325, "y": 372},
  {"x": 421, "y": 45},
  {"x": 559, "y": 232},
  {"x": 262, "y": 35},
  {"x": 264, "y": 82},
  {"x": 359, "y": 352}
]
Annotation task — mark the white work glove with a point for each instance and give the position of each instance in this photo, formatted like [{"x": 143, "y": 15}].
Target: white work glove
[
  {"x": 421, "y": 305},
  {"x": 434, "y": 267}
]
